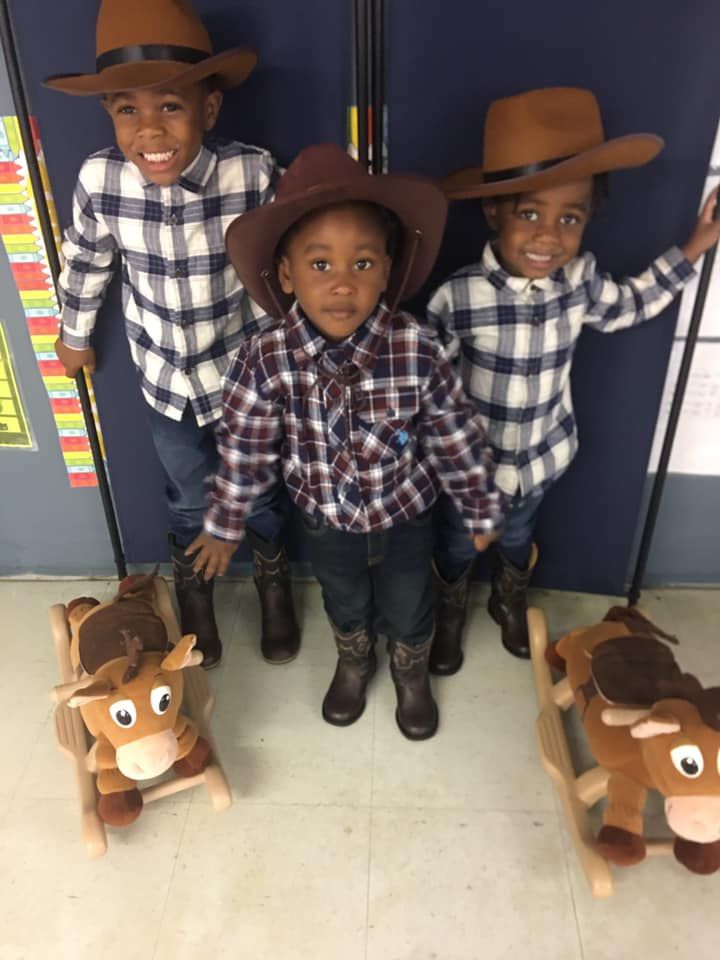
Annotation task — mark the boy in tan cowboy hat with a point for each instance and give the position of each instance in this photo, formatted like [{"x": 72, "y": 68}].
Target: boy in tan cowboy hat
[
  {"x": 359, "y": 411},
  {"x": 515, "y": 317},
  {"x": 162, "y": 199}
]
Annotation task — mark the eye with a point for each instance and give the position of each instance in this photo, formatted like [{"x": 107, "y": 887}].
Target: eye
[
  {"x": 171, "y": 106},
  {"x": 363, "y": 264},
  {"x": 127, "y": 110},
  {"x": 123, "y": 713},
  {"x": 322, "y": 265},
  {"x": 688, "y": 760},
  {"x": 530, "y": 215},
  {"x": 160, "y": 699},
  {"x": 569, "y": 220}
]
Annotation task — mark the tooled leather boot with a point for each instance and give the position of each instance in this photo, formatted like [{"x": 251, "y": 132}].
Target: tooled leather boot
[
  {"x": 446, "y": 655},
  {"x": 507, "y": 604},
  {"x": 195, "y": 599},
  {"x": 345, "y": 700},
  {"x": 280, "y": 639},
  {"x": 417, "y": 712}
]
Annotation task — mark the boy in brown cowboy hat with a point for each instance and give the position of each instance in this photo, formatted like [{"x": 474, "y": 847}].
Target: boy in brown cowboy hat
[
  {"x": 515, "y": 318},
  {"x": 163, "y": 199},
  {"x": 358, "y": 409}
]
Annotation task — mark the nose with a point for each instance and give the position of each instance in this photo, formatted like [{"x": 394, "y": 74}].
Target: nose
[
  {"x": 548, "y": 230},
  {"x": 149, "y": 124},
  {"x": 344, "y": 281}
]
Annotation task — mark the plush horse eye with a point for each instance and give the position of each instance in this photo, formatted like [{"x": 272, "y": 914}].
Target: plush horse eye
[
  {"x": 160, "y": 699},
  {"x": 123, "y": 713},
  {"x": 688, "y": 760}
]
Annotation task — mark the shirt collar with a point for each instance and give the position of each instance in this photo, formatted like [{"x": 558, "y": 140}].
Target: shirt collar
[
  {"x": 501, "y": 279},
  {"x": 196, "y": 175},
  {"x": 360, "y": 348}
]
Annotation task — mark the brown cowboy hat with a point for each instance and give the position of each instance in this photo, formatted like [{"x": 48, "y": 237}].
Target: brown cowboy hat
[
  {"x": 321, "y": 176},
  {"x": 145, "y": 44},
  {"x": 545, "y": 138}
]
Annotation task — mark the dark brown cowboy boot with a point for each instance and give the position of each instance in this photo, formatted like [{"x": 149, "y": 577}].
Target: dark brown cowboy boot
[
  {"x": 345, "y": 700},
  {"x": 446, "y": 655},
  {"x": 507, "y": 604},
  {"x": 195, "y": 599},
  {"x": 280, "y": 640},
  {"x": 417, "y": 712}
]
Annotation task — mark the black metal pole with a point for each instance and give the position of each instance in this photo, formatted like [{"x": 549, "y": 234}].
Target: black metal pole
[
  {"x": 23, "y": 116},
  {"x": 361, "y": 78},
  {"x": 673, "y": 419},
  {"x": 377, "y": 46}
]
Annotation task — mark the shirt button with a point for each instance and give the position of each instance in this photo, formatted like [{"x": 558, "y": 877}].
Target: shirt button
[
  {"x": 173, "y": 220},
  {"x": 187, "y": 369},
  {"x": 179, "y": 272}
]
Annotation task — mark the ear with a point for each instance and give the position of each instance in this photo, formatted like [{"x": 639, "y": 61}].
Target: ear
[
  {"x": 490, "y": 209},
  {"x": 656, "y": 725},
  {"x": 283, "y": 272},
  {"x": 64, "y": 692},
  {"x": 182, "y": 655},
  {"x": 81, "y": 692},
  {"x": 623, "y": 716},
  {"x": 213, "y": 102}
]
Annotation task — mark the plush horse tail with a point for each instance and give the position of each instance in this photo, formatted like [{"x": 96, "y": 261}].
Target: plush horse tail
[{"x": 637, "y": 623}]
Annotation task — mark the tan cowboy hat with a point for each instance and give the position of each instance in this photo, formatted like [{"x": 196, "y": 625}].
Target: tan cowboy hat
[
  {"x": 545, "y": 138},
  {"x": 145, "y": 44},
  {"x": 319, "y": 177}
]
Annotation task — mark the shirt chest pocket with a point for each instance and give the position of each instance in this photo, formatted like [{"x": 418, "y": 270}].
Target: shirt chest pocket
[{"x": 385, "y": 420}]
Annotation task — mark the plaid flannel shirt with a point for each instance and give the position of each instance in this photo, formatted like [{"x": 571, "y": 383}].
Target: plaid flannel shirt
[
  {"x": 365, "y": 432},
  {"x": 185, "y": 310},
  {"x": 516, "y": 338}
]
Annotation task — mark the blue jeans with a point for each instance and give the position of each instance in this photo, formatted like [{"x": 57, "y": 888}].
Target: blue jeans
[
  {"x": 189, "y": 456},
  {"x": 387, "y": 573},
  {"x": 454, "y": 551}
]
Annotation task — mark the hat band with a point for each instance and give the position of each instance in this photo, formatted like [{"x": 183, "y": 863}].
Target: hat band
[
  {"x": 513, "y": 173},
  {"x": 149, "y": 51}
]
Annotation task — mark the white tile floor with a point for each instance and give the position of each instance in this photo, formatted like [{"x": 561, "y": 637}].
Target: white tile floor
[{"x": 346, "y": 844}]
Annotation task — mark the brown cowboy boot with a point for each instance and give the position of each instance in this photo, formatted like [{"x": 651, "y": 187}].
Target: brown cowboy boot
[
  {"x": 280, "y": 640},
  {"x": 195, "y": 599},
  {"x": 507, "y": 604},
  {"x": 446, "y": 655},
  {"x": 345, "y": 700},
  {"x": 417, "y": 712}
]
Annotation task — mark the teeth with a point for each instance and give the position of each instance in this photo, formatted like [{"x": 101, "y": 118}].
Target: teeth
[
  {"x": 540, "y": 258},
  {"x": 159, "y": 157}
]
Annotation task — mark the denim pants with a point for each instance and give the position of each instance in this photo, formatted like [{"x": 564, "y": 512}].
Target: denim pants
[
  {"x": 189, "y": 456},
  {"x": 387, "y": 573},
  {"x": 454, "y": 550}
]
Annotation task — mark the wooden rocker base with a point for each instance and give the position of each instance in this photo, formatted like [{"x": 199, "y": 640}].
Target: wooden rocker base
[
  {"x": 75, "y": 741},
  {"x": 577, "y": 793}
]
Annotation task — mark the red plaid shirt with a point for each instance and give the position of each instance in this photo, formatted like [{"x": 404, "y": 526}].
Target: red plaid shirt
[{"x": 366, "y": 432}]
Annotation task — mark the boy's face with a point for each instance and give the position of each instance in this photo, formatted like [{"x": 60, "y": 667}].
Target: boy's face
[
  {"x": 337, "y": 266},
  {"x": 161, "y": 132},
  {"x": 541, "y": 231}
]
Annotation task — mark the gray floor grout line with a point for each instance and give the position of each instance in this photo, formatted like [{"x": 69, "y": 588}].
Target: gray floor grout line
[
  {"x": 370, "y": 828},
  {"x": 567, "y": 853},
  {"x": 173, "y": 869}
]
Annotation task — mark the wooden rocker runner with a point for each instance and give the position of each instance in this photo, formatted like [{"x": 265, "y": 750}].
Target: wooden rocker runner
[
  {"x": 649, "y": 726},
  {"x": 126, "y": 671}
]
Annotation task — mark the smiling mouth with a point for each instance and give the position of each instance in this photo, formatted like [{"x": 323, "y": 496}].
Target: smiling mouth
[
  {"x": 541, "y": 259},
  {"x": 159, "y": 158}
]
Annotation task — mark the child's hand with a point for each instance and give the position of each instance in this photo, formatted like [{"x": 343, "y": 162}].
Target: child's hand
[
  {"x": 707, "y": 231},
  {"x": 213, "y": 556},
  {"x": 74, "y": 360},
  {"x": 483, "y": 541}
]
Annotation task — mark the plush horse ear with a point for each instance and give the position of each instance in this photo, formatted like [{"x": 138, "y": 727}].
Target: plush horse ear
[
  {"x": 80, "y": 691},
  {"x": 655, "y": 725},
  {"x": 182, "y": 655},
  {"x": 623, "y": 716}
]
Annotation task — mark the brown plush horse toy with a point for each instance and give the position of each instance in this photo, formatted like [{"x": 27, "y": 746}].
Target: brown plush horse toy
[
  {"x": 650, "y": 726},
  {"x": 129, "y": 694}
]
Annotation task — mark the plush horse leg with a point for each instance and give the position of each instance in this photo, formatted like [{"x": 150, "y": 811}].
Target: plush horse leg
[
  {"x": 620, "y": 840},
  {"x": 701, "y": 858},
  {"x": 120, "y": 802}
]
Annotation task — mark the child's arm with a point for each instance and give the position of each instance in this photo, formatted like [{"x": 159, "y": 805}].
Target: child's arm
[
  {"x": 440, "y": 310},
  {"x": 456, "y": 446},
  {"x": 615, "y": 306},
  {"x": 248, "y": 439},
  {"x": 89, "y": 250}
]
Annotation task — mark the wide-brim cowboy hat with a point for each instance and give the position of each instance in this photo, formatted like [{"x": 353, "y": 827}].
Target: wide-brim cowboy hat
[
  {"x": 545, "y": 138},
  {"x": 322, "y": 176},
  {"x": 147, "y": 44}
]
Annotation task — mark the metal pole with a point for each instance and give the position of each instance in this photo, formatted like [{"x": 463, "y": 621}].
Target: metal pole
[
  {"x": 673, "y": 419},
  {"x": 361, "y": 78},
  {"x": 23, "y": 117},
  {"x": 377, "y": 47}
]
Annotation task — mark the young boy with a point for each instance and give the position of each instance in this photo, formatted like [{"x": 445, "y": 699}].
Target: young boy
[
  {"x": 359, "y": 410},
  {"x": 163, "y": 199},
  {"x": 516, "y": 316}
]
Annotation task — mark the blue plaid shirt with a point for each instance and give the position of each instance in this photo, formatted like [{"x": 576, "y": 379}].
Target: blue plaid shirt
[
  {"x": 185, "y": 310},
  {"x": 516, "y": 338},
  {"x": 365, "y": 432}
]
